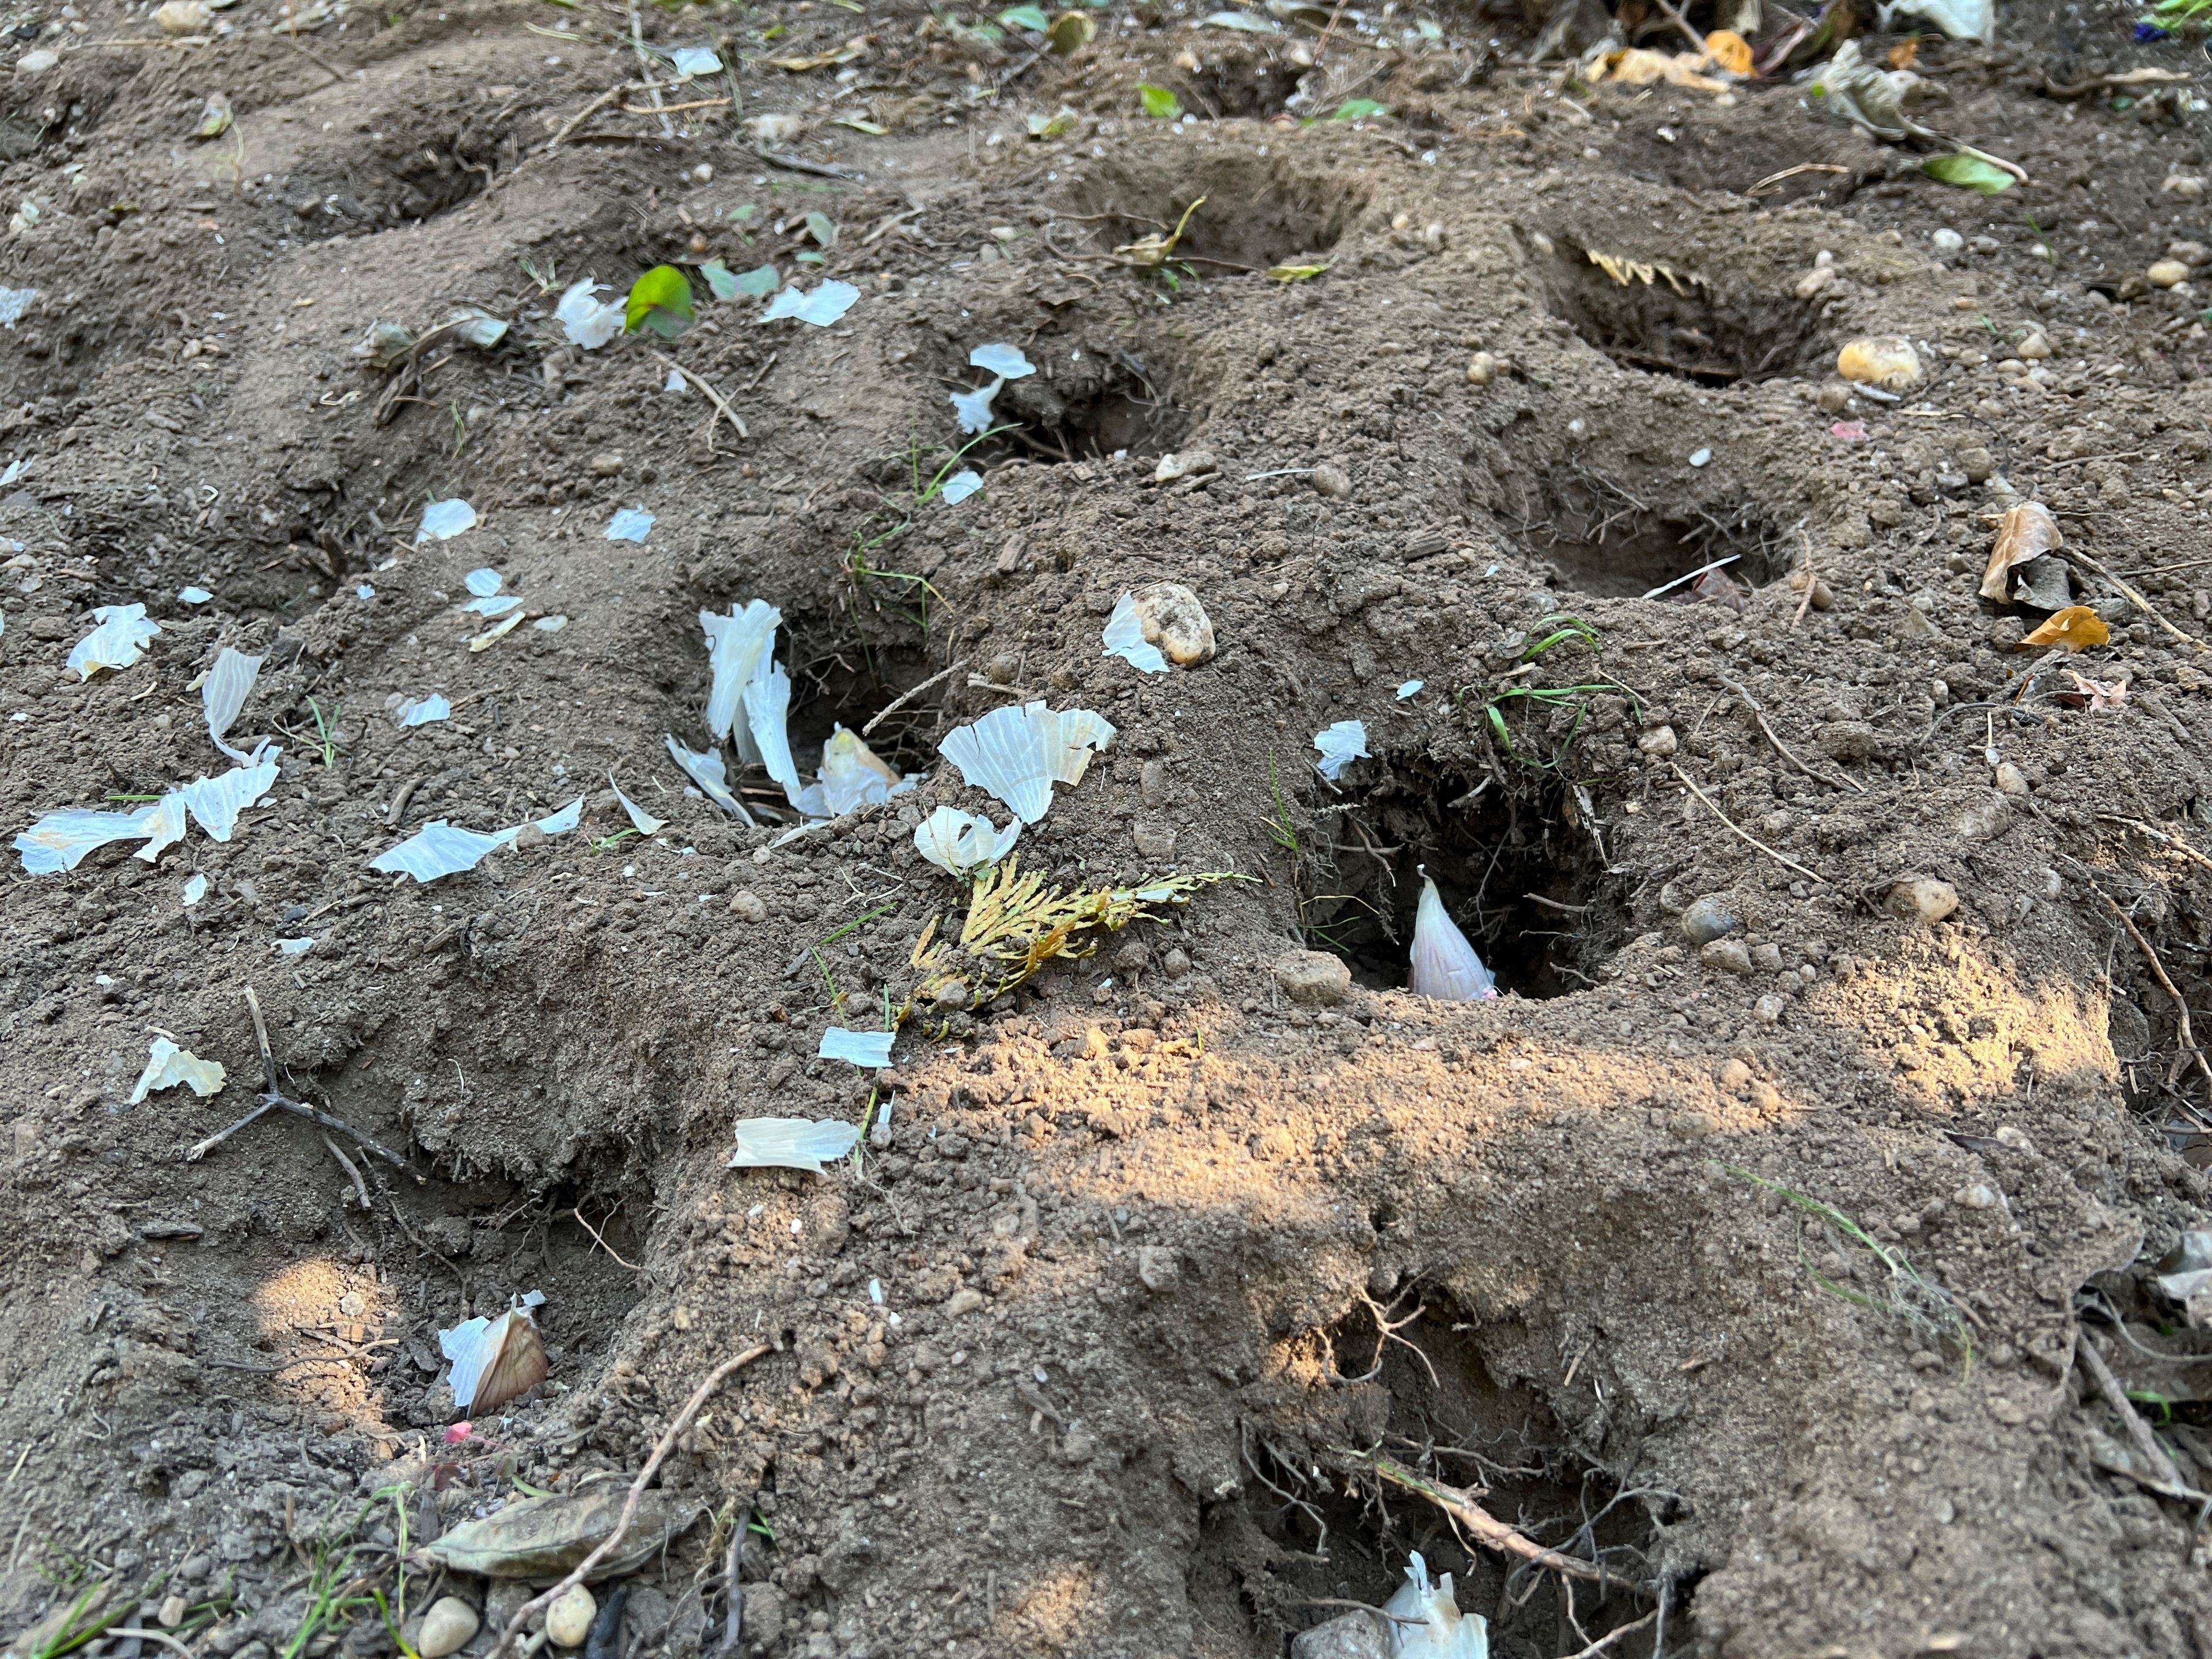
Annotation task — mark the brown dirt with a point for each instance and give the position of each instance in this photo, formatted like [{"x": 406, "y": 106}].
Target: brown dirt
[{"x": 1025, "y": 1447}]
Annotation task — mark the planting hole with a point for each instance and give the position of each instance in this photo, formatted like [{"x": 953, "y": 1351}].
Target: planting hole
[
  {"x": 1423, "y": 1398},
  {"x": 1523, "y": 881},
  {"x": 1611, "y": 541},
  {"x": 1651, "y": 316}
]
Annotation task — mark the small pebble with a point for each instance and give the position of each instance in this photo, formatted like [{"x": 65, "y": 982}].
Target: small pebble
[
  {"x": 1767, "y": 958},
  {"x": 1727, "y": 955},
  {"x": 606, "y": 464},
  {"x": 953, "y": 996},
  {"x": 445, "y": 1628},
  {"x": 1331, "y": 480},
  {"x": 1979, "y": 1196},
  {"x": 1710, "y": 918},
  {"x": 1481, "y": 368},
  {"x": 1923, "y": 899},
  {"x": 173, "y": 1613},
  {"x": 1886, "y": 360},
  {"x": 1769, "y": 1008},
  {"x": 1946, "y": 241},
  {"x": 2034, "y": 348},
  {"x": 2009, "y": 780},
  {"x": 1659, "y": 741},
  {"x": 569, "y": 1621},
  {"x": 1177, "y": 961},
  {"x": 746, "y": 906},
  {"x": 2168, "y": 273}
]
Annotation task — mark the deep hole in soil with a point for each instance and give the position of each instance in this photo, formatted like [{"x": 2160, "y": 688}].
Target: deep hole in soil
[
  {"x": 1611, "y": 543},
  {"x": 1650, "y": 317},
  {"x": 1440, "y": 1413},
  {"x": 1089, "y": 409},
  {"x": 1257, "y": 212},
  {"x": 1527, "y": 887}
]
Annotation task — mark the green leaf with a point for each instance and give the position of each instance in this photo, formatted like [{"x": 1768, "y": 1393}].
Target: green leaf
[
  {"x": 1968, "y": 173},
  {"x": 1026, "y": 17},
  {"x": 1159, "y": 103},
  {"x": 721, "y": 281},
  {"x": 1359, "y": 109},
  {"x": 1056, "y": 125},
  {"x": 759, "y": 283},
  {"x": 810, "y": 257},
  {"x": 1295, "y": 273},
  {"x": 858, "y": 125},
  {"x": 822, "y": 228},
  {"x": 744, "y": 215},
  {"x": 659, "y": 299},
  {"x": 1242, "y": 21}
]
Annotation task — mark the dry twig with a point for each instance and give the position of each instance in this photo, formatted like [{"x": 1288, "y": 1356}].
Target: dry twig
[
  {"x": 2138, "y": 601},
  {"x": 1783, "y": 749},
  {"x": 908, "y": 695},
  {"x": 360, "y": 1187},
  {"x": 607, "y": 1546},
  {"x": 1488, "y": 1530},
  {"x": 2187, "y": 1037},
  {"x": 722, "y": 410},
  {"x": 2146, "y": 1442},
  {"x": 1613, "y": 1636},
  {"x": 273, "y": 1098},
  {"x": 1787, "y": 863},
  {"x": 587, "y": 112}
]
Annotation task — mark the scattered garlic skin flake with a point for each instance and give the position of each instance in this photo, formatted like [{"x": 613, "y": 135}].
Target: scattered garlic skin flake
[{"x": 1444, "y": 963}]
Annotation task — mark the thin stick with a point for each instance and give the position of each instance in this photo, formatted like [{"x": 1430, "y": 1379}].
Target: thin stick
[
  {"x": 1787, "y": 863},
  {"x": 1682, "y": 23},
  {"x": 578, "y": 1213},
  {"x": 2163, "y": 838},
  {"x": 1613, "y": 1636},
  {"x": 1489, "y": 1530},
  {"x": 645, "y": 68},
  {"x": 2181, "y": 1008},
  {"x": 316, "y": 58},
  {"x": 274, "y": 1096},
  {"x": 2138, "y": 601},
  {"x": 588, "y": 112},
  {"x": 1693, "y": 576},
  {"x": 360, "y": 1187},
  {"x": 1791, "y": 173},
  {"x": 2146, "y": 1442},
  {"x": 908, "y": 695},
  {"x": 1782, "y": 748},
  {"x": 1811, "y": 579},
  {"x": 660, "y": 1451},
  {"x": 160, "y": 1636},
  {"x": 734, "y": 1627},
  {"x": 790, "y": 163},
  {"x": 216, "y": 1140},
  {"x": 673, "y": 109},
  {"x": 721, "y": 406}
]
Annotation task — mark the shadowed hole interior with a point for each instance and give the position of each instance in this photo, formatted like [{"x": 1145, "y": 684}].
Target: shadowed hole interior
[
  {"x": 1613, "y": 541},
  {"x": 1650, "y": 316},
  {"x": 1423, "y": 1397},
  {"x": 1519, "y": 875}
]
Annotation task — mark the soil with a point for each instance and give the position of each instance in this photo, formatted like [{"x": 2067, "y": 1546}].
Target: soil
[{"x": 1758, "y": 1270}]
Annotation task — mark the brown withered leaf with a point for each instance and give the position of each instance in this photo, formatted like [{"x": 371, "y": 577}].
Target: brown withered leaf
[
  {"x": 2076, "y": 628},
  {"x": 2028, "y": 532}
]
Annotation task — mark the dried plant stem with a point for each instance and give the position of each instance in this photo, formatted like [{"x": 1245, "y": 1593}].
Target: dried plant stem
[
  {"x": 2188, "y": 1038},
  {"x": 273, "y": 1098},
  {"x": 1782, "y": 748},
  {"x": 2146, "y": 1442},
  {"x": 588, "y": 112},
  {"x": 2137, "y": 600},
  {"x": 360, "y": 1187},
  {"x": 1488, "y": 1530},
  {"x": 1613, "y": 1636},
  {"x": 607, "y": 1546},
  {"x": 908, "y": 695},
  {"x": 722, "y": 410},
  {"x": 1787, "y": 863}
]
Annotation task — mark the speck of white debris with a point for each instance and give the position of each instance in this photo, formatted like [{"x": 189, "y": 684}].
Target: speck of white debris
[{"x": 1699, "y": 457}]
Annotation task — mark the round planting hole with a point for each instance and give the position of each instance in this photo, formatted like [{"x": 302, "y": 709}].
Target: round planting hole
[
  {"x": 1612, "y": 541},
  {"x": 1521, "y": 874}
]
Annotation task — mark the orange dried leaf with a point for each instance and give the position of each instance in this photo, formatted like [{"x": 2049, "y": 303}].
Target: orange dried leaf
[
  {"x": 1729, "y": 50},
  {"x": 1904, "y": 54},
  {"x": 2028, "y": 532},
  {"x": 2076, "y": 628}
]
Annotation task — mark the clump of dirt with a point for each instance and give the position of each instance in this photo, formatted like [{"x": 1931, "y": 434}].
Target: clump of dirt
[{"x": 1755, "y": 1253}]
